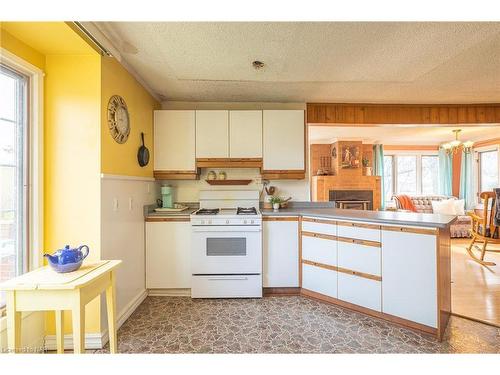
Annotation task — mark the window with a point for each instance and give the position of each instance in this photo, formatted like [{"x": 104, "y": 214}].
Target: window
[
  {"x": 488, "y": 170},
  {"x": 406, "y": 174},
  {"x": 388, "y": 177},
  {"x": 13, "y": 174},
  {"x": 430, "y": 174},
  {"x": 410, "y": 174}
]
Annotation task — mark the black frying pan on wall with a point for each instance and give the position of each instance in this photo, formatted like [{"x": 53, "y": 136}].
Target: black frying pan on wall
[{"x": 143, "y": 153}]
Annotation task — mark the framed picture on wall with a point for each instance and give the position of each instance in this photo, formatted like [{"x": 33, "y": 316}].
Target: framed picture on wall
[{"x": 351, "y": 156}]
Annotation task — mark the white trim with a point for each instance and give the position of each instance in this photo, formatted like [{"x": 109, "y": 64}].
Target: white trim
[
  {"x": 170, "y": 292},
  {"x": 130, "y": 308},
  {"x": 35, "y": 211},
  {"x": 100, "y": 35},
  {"x": 92, "y": 341},
  {"x": 98, "y": 340},
  {"x": 475, "y": 167},
  {"x": 106, "y": 176}
]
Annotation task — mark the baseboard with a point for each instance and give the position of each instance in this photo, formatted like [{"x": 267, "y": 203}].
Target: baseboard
[
  {"x": 281, "y": 291},
  {"x": 185, "y": 292},
  {"x": 99, "y": 339},
  {"x": 92, "y": 341},
  {"x": 130, "y": 308}
]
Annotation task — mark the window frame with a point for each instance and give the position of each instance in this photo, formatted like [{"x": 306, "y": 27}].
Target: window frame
[
  {"x": 477, "y": 165},
  {"x": 418, "y": 154},
  {"x": 34, "y": 156}
]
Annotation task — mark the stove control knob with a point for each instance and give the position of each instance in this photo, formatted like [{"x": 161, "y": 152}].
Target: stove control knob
[
  {"x": 202, "y": 221},
  {"x": 227, "y": 221},
  {"x": 244, "y": 221},
  {"x": 251, "y": 222},
  {"x": 209, "y": 221}
]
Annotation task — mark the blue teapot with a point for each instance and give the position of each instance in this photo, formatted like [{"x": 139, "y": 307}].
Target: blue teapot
[{"x": 67, "y": 260}]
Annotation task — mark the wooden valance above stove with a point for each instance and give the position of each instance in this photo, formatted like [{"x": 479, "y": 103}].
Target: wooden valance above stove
[{"x": 376, "y": 114}]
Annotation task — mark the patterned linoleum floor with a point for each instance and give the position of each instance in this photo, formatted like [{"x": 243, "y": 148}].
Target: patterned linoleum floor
[{"x": 283, "y": 325}]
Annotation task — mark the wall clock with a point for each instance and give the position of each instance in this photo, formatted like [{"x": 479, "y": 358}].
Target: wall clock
[{"x": 118, "y": 119}]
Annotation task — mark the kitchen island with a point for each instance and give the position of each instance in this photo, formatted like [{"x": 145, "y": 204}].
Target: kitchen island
[{"x": 392, "y": 265}]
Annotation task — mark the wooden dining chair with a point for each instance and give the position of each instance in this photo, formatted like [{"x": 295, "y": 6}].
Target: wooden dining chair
[{"x": 483, "y": 229}]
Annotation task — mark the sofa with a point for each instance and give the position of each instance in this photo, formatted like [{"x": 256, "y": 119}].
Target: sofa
[{"x": 461, "y": 228}]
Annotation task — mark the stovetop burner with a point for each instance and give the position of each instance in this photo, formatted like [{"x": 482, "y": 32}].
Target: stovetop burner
[
  {"x": 246, "y": 211},
  {"x": 208, "y": 211}
]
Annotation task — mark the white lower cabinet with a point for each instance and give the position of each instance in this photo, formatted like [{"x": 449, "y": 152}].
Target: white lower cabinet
[
  {"x": 168, "y": 255},
  {"x": 280, "y": 253},
  {"x": 319, "y": 250},
  {"x": 319, "y": 280},
  {"x": 409, "y": 276},
  {"x": 360, "y": 291}
]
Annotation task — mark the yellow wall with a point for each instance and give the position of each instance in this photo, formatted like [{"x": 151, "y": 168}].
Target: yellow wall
[
  {"x": 21, "y": 49},
  {"x": 77, "y": 145},
  {"x": 72, "y": 160},
  {"x": 122, "y": 158}
]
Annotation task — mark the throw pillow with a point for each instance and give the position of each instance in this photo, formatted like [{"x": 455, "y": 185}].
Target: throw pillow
[
  {"x": 459, "y": 207},
  {"x": 444, "y": 207}
]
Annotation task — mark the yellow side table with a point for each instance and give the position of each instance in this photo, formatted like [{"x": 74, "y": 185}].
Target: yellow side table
[{"x": 46, "y": 290}]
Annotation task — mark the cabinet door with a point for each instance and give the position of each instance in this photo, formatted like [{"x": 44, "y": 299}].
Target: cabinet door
[
  {"x": 245, "y": 134},
  {"x": 168, "y": 255},
  {"x": 212, "y": 134},
  {"x": 319, "y": 280},
  {"x": 283, "y": 140},
  {"x": 174, "y": 141},
  {"x": 409, "y": 287},
  {"x": 281, "y": 254}
]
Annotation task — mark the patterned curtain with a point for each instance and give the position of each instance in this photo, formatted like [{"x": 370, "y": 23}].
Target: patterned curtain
[
  {"x": 467, "y": 180},
  {"x": 378, "y": 170},
  {"x": 445, "y": 173}
]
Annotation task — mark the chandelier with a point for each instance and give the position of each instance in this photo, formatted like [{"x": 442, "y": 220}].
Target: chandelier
[{"x": 454, "y": 146}]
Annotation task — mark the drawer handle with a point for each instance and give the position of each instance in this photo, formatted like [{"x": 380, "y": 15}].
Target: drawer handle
[{"x": 227, "y": 278}]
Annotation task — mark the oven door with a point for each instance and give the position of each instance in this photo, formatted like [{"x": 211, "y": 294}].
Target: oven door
[{"x": 226, "y": 250}]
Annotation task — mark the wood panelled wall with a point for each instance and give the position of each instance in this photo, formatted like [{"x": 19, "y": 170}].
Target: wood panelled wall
[{"x": 365, "y": 114}]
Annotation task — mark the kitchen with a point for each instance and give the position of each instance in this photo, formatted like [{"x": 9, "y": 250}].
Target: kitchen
[{"x": 207, "y": 200}]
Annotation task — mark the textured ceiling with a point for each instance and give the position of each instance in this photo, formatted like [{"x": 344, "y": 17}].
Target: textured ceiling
[
  {"x": 314, "y": 62},
  {"x": 400, "y": 135}
]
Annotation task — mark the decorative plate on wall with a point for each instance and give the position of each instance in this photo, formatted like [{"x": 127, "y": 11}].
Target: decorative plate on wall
[{"x": 118, "y": 119}]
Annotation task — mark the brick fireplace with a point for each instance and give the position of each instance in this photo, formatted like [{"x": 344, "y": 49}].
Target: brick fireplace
[{"x": 352, "y": 199}]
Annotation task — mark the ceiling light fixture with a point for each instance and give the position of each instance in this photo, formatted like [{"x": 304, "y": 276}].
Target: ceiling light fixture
[
  {"x": 454, "y": 146},
  {"x": 258, "y": 64}
]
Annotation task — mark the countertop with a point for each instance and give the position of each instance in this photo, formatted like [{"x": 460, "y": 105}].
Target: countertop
[{"x": 383, "y": 217}]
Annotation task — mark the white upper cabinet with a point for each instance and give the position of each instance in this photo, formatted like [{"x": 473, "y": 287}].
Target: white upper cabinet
[
  {"x": 283, "y": 140},
  {"x": 174, "y": 141},
  {"x": 245, "y": 134},
  {"x": 212, "y": 134}
]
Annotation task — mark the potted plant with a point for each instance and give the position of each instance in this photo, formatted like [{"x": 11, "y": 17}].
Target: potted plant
[
  {"x": 366, "y": 166},
  {"x": 275, "y": 201}
]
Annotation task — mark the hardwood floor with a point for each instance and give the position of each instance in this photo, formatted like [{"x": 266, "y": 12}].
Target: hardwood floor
[{"x": 475, "y": 289}]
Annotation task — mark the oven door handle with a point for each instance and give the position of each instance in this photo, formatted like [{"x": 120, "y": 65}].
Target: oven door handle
[{"x": 228, "y": 278}]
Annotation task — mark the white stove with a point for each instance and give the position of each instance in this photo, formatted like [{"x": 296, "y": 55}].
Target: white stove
[{"x": 226, "y": 250}]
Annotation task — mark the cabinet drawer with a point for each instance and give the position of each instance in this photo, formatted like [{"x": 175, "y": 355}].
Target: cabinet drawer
[
  {"x": 319, "y": 250},
  {"x": 319, "y": 280},
  {"x": 358, "y": 257},
  {"x": 361, "y": 231},
  {"x": 360, "y": 291},
  {"x": 226, "y": 286},
  {"x": 323, "y": 226}
]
